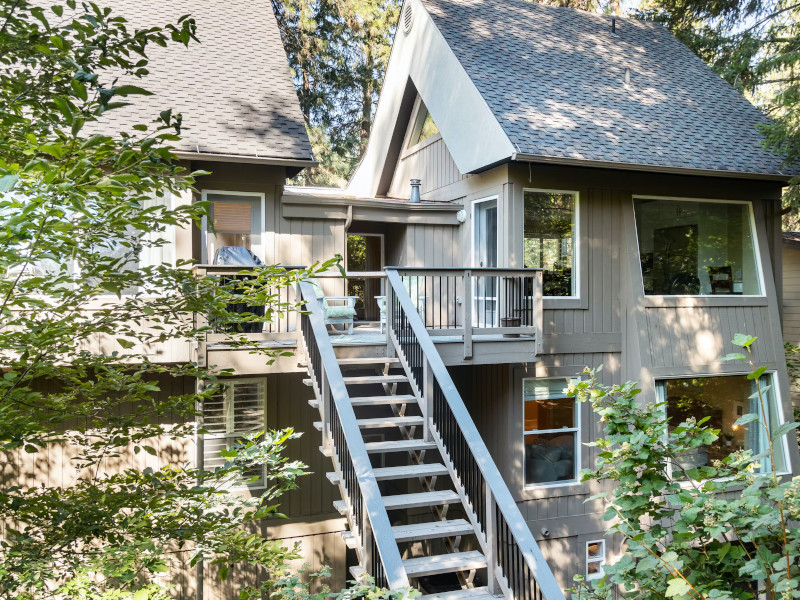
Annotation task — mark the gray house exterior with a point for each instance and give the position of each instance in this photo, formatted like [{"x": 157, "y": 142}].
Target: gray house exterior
[{"x": 591, "y": 195}]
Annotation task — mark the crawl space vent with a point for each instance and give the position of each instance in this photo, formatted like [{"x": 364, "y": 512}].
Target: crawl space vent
[{"x": 408, "y": 15}]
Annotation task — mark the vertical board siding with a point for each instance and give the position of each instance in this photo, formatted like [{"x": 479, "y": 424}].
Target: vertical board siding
[
  {"x": 692, "y": 336},
  {"x": 433, "y": 164},
  {"x": 601, "y": 213},
  {"x": 287, "y": 406},
  {"x": 791, "y": 294}
]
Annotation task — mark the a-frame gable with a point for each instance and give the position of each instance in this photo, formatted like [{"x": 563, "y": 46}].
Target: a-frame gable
[{"x": 422, "y": 63}]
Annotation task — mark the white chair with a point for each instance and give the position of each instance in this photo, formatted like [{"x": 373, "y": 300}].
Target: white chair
[
  {"x": 381, "y": 300},
  {"x": 339, "y": 310}
]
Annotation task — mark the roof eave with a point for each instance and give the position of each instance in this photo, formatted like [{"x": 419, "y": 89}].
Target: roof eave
[
  {"x": 247, "y": 159},
  {"x": 580, "y": 162}
]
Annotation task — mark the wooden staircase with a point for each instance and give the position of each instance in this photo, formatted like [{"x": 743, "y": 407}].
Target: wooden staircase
[
  {"x": 441, "y": 547},
  {"x": 426, "y": 505}
]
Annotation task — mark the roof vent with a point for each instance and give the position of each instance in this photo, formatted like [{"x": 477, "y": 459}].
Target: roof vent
[
  {"x": 614, "y": 27},
  {"x": 415, "y": 184},
  {"x": 408, "y": 16}
]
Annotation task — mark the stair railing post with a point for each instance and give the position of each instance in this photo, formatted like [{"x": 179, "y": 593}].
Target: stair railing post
[
  {"x": 391, "y": 352},
  {"x": 468, "y": 314},
  {"x": 538, "y": 306},
  {"x": 491, "y": 544}
]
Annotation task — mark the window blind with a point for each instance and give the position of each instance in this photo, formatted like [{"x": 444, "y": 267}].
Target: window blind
[{"x": 238, "y": 410}]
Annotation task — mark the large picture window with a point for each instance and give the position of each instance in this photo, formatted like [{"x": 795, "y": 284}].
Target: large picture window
[
  {"x": 696, "y": 248},
  {"x": 549, "y": 239},
  {"x": 724, "y": 400},
  {"x": 550, "y": 432},
  {"x": 228, "y": 416}
]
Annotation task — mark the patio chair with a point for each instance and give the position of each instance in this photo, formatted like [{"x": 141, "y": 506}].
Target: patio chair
[
  {"x": 381, "y": 301},
  {"x": 339, "y": 310}
]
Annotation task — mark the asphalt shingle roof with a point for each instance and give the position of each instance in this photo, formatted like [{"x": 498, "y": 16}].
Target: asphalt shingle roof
[
  {"x": 234, "y": 88},
  {"x": 554, "y": 79}
]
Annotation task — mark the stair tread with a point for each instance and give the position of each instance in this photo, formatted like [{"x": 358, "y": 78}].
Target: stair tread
[
  {"x": 415, "y": 500},
  {"x": 340, "y": 506},
  {"x": 375, "y": 379},
  {"x": 444, "y": 563},
  {"x": 433, "y": 529},
  {"x": 377, "y": 360},
  {"x": 409, "y": 471},
  {"x": 369, "y": 400},
  {"x": 399, "y": 446},
  {"x": 481, "y": 593},
  {"x": 389, "y": 422},
  {"x": 404, "y": 472}
]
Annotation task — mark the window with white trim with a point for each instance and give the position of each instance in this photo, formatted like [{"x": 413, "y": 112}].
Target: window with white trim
[
  {"x": 595, "y": 559},
  {"x": 239, "y": 409},
  {"x": 549, "y": 239},
  {"x": 551, "y": 433},
  {"x": 724, "y": 400},
  {"x": 696, "y": 248}
]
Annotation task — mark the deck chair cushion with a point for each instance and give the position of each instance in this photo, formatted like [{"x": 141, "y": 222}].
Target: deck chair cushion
[{"x": 339, "y": 312}]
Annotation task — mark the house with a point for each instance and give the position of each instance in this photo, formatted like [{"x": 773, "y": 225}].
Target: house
[{"x": 590, "y": 193}]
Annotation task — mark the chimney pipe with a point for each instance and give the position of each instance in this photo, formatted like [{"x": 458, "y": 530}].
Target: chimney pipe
[
  {"x": 614, "y": 26},
  {"x": 415, "y": 183}
]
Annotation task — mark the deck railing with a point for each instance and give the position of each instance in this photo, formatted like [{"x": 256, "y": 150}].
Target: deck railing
[
  {"x": 283, "y": 326},
  {"x": 515, "y": 562},
  {"x": 361, "y": 494},
  {"x": 476, "y": 302}
]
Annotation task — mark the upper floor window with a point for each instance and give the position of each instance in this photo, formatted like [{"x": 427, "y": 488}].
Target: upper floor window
[
  {"x": 549, "y": 239},
  {"x": 550, "y": 432},
  {"x": 237, "y": 221},
  {"x": 424, "y": 127},
  {"x": 724, "y": 400},
  {"x": 690, "y": 247}
]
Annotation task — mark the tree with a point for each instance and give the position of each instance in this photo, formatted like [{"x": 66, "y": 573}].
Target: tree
[
  {"x": 752, "y": 44},
  {"x": 725, "y": 531},
  {"x": 338, "y": 51},
  {"x": 79, "y": 208}
]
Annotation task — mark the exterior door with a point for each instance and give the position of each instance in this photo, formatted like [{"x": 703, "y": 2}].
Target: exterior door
[{"x": 485, "y": 255}]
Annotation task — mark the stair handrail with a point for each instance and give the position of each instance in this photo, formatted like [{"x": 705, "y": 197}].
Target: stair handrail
[
  {"x": 501, "y": 549},
  {"x": 329, "y": 381}
]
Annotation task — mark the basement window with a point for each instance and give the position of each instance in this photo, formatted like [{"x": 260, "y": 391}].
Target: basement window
[
  {"x": 239, "y": 409},
  {"x": 551, "y": 434},
  {"x": 595, "y": 559},
  {"x": 724, "y": 400},
  {"x": 697, "y": 248}
]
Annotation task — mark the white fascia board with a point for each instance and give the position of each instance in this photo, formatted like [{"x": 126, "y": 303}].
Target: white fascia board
[{"x": 467, "y": 124}]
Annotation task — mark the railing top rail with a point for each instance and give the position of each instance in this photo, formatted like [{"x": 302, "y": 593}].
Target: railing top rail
[
  {"x": 494, "y": 480},
  {"x": 376, "y": 511},
  {"x": 487, "y": 270},
  {"x": 224, "y": 269}
]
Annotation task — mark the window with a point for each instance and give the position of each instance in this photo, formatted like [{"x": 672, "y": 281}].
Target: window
[
  {"x": 696, "y": 248},
  {"x": 549, "y": 230},
  {"x": 237, "y": 221},
  {"x": 595, "y": 559},
  {"x": 550, "y": 432},
  {"x": 238, "y": 410},
  {"x": 424, "y": 127},
  {"x": 723, "y": 399}
]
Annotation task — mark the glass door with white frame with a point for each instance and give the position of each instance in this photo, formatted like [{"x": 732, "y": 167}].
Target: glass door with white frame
[{"x": 485, "y": 256}]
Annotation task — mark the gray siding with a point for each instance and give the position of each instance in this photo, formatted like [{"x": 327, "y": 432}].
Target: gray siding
[{"x": 430, "y": 162}]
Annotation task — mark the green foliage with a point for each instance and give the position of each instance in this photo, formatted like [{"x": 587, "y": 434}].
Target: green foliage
[
  {"x": 338, "y": 52},
  {"x": 752, "y": 44},
  {"x": 716, "y": 532},
  {"x": 295, "y": 586},
  {"x": 83, "y": 314}
]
